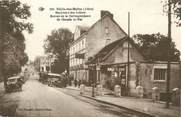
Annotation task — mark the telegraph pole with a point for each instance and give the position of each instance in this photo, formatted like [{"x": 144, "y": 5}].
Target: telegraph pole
[
  {"x": 128, "y": 74},
  {"x": 168, "y": 56}
]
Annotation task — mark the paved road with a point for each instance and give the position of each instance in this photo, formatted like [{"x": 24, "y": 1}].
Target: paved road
[{"x": 38, "y": 100}]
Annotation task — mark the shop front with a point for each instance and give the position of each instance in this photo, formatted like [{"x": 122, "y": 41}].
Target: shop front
[{"x": 112, "y": 75}]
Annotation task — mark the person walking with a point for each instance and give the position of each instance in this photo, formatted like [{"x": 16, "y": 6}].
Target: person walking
[
  {"x": 75, "y": 82},
  {"x": 79, "y": 82}
]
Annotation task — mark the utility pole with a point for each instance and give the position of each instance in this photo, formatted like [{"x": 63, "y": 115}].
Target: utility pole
[
  {"x": 97, "y": 68},
  {"x": 128, "y": 74},
  {"x": 93, "y": 82},
  {"x": 168, "y": 56}
]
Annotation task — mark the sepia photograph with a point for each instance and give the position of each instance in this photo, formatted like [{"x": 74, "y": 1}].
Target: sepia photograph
[{"x": 90, "y": 58}]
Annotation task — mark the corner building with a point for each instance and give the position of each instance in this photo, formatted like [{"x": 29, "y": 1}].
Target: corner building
[{"x": 88, "y": 41}]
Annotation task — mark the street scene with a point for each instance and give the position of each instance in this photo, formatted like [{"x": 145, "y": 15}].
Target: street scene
[
  {"x": 38, "y": 100},
  {"x": 90, "y": 59}
]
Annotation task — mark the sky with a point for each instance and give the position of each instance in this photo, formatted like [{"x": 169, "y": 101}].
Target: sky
[{"x": 147, "y": 17}]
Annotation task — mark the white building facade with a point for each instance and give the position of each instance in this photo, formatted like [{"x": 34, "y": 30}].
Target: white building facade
[
  {"x": 46, "y": 63},
  {"x": 88, "y": 41}
]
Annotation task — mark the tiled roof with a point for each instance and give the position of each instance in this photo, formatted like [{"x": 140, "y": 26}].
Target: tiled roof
[{"x": 107, "y": 49}]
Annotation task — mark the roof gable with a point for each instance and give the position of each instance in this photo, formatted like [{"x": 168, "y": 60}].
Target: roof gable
[
  {"x": 105, "y": 16},
  {"x": 104, "y": 53},
  {"x": 86, "y": 29}
]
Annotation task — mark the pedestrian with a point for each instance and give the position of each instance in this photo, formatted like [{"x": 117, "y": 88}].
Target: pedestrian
[
  {"x": 70, "y": 82},
  {"x": 75, "y": 82},
  {"x": 79, "y": 82}
]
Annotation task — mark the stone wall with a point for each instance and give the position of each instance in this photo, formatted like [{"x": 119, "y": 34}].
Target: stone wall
[
  {"x": 97, "y": 38},
  {"x": 146, "y": 75}
]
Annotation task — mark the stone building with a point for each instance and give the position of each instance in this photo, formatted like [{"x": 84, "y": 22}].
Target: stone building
[
  {"x": 110, "y": 65},
  {"x": 46, "y": 63},
  {"x": 90, "y": 40},
  {"x": 99, "y": 54}
]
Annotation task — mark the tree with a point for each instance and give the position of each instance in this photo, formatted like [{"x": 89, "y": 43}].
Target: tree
[
  {"x": 177, "y": 10},
  {"x": 13, "y": 54},
  {"x": 155, "y": 47},
  {"x": 11, "y": 63},
  {"x": 13, "y": 20},
  {"x": 13, "y": 16},
  {"x": 57, "y": 43},
  {"x": 20, "y": 48}
]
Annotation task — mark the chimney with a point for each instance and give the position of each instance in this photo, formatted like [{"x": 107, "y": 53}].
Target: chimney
[{"x": 103, "y": 13}]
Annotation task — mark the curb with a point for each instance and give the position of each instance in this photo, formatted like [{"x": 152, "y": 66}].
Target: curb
[
  {"x": 121, "y": 107},
  {"x": 72, "y": 89}
]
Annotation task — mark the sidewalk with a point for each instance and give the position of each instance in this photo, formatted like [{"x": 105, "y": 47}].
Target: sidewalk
[{"x": 146, "y": 106}]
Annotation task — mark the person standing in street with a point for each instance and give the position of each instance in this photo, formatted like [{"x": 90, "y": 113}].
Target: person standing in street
[
  {"x": 75, "y": 82},
  {"x": 79, "y": 82}
]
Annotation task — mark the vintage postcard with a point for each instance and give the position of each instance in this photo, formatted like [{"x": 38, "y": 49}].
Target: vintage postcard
[{"x": 90, "y": 58}]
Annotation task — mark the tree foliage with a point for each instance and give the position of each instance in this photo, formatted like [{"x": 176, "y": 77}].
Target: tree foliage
[
  {"x": 177, "y": 10},
  {"x": 14, "y": 16},
  {"x": 11, "y": 64},
  {"x": 13, "y": 54},
  {"x": 155, "y": 47},
  {"x": 57, "y": 43},
  {"x": 20, "y": 48},
  {"x": 13, "y": 20}
]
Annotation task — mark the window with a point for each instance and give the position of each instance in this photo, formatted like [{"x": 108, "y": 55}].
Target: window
[
  {"x": 80, "y": 47},
  {"x": 159, "y": 74},
  {"x": 70, "y": 51},
  {"x": 83, "y": 42},
  {"x": 79, "y": 61},
  {"x": 73, "y": 62},
  {"x": 125, "y": 45},
  {"x": 107, "y": 30},
  {"x": 73, "y": 50},
  {"x": 77, "y": 47}
]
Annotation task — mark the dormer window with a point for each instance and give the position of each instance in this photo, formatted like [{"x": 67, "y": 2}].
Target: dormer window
[
  {"x": 125, "y": 45},
  {"x": 108, "y": 41}
]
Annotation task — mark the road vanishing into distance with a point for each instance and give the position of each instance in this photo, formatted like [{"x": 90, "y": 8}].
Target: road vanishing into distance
[{"x": 39, "y": 100}]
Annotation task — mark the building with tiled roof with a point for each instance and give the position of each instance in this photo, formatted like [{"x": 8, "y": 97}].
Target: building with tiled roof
[
  {"x": 88, "y": 41},
  {"x": 100, "y": 55}
]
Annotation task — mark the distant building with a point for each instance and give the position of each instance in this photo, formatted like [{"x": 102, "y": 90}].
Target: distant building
[
  {"x": 46, "y": 63},
  {"x": 88, "y": 41}
]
